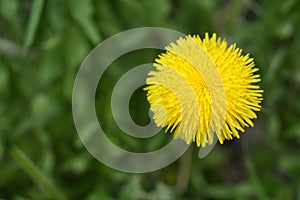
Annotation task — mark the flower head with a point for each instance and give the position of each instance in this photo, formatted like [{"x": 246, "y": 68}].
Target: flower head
[{"x": 203, "y": 87}]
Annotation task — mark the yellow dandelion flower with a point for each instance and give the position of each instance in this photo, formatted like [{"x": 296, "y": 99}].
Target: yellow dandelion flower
[{"x": 203, "y": 87}]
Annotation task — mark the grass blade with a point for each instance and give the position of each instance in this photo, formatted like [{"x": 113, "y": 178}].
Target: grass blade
[
  {"x": 29, "y": 167},
  {"x": 36, "y": 11}
]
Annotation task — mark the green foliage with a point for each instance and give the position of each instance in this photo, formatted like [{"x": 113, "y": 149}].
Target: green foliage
[{"x": 42, "y": 44}]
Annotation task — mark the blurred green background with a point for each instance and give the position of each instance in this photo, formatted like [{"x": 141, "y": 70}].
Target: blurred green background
[{"x": 42, "y": 44}]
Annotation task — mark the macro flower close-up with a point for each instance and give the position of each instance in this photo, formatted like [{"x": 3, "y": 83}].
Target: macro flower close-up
[
  {"x": 151, "y": 100},
  {"x": 203, "y": 87}
]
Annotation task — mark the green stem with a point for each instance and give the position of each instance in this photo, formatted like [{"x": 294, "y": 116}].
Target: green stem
[
  {"x": 28, "y": 166},
  {"x": 255, "y": 180},
  {"x": 253, "y": 175},
  {"x": 184, "y": 170}
]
